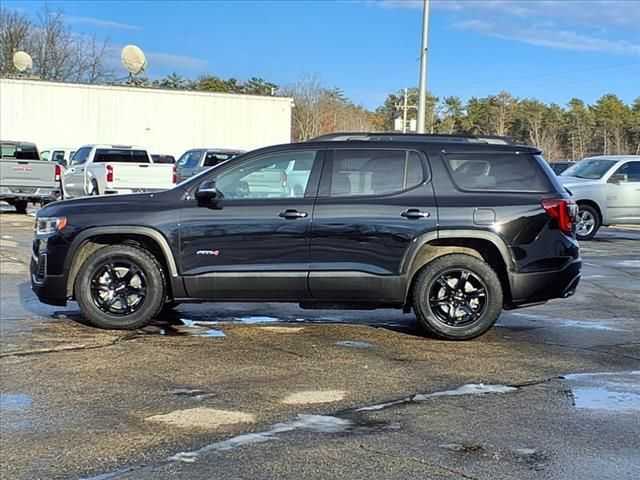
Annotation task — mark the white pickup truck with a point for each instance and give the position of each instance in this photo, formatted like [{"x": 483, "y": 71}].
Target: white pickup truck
[{"x": 113, "y": 169}]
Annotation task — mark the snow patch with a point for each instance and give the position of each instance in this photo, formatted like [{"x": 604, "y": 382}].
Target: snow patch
[
  {"x": 202, "y": 418},
  {"x": 314, "y": 396}
]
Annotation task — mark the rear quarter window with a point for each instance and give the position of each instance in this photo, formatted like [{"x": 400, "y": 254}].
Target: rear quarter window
[{"x": 497, "y": 172}]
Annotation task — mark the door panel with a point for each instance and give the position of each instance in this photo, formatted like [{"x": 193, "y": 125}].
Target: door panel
[
  {"x": 623, "y": 198},
  {"x": 251, "y": 247},
  {"x": 364, "y": 223}
]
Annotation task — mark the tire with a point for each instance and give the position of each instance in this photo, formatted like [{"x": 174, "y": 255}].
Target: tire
[
  {"x": 21, "y": 206},
  {"x": 95, "y": 191},
  {"x": 436, "y": 294},
  {"x": 588, "y": 222},
  {"x": 103, "y": 274}
]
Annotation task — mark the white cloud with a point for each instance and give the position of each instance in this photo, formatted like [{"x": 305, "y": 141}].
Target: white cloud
[
  {"x": 96, "y": 22},
  {"x": 580, "y": 25},
  {"x": 546, "y": 37}
]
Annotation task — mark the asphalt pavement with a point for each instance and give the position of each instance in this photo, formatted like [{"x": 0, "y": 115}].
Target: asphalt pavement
[{"x": 268, "y": 391}]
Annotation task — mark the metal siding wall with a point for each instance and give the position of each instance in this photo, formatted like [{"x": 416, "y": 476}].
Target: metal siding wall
[{"x": 69, "y": 115}]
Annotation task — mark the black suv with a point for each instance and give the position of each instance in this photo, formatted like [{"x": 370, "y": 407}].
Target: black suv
[{"x": 455, "y": 227}]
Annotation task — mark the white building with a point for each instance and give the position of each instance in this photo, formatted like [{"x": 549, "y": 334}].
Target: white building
[{"x": 54, "y": 114}]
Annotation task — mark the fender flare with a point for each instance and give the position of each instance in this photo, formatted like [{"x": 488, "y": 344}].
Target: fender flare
[
  {"x": 155, "y": 235},
  {"x": 409, "y": 257}
]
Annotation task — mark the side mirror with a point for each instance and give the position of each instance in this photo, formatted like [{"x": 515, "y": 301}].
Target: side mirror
[
  {"x": 618, "y": 178},
  {"x": 208, "y": 195},
  {"x": 63, "y": 163}
]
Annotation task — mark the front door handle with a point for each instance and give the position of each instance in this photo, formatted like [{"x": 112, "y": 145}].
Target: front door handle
[
  {"x": 292, "y": 214},
  {"x": 414, "y": 213}
]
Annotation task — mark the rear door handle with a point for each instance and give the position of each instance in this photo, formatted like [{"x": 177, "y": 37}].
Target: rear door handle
[
  {"x": 292, "y": 214},
  {"x": 414, "y": 213}
]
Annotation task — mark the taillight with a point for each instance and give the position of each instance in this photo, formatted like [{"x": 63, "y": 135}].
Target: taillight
[
  {"x": 563, "y": 210},
  {"x": 285, "y": 179},
  {"x": 175, "y": 176},
  {"x": 109, "y": 173},
  {"x": 57, "y": 174}
]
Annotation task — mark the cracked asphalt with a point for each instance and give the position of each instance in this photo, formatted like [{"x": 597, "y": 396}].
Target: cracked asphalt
[{"x": 272, "y": 391}]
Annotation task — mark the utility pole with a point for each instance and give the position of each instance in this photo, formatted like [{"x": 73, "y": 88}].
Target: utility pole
[
  {"x": 404, "y": 112},
  {"x": 422, "y": 87}
]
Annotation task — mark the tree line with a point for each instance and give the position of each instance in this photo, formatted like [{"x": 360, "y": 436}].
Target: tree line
[{"x": 571, "y": 131}]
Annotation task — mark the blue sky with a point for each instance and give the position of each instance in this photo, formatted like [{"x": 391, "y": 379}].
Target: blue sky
[{"x": 551, "y": 50}]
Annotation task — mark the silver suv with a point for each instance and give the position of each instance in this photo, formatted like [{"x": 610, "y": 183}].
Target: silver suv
[{"x": 607, "y": 191}]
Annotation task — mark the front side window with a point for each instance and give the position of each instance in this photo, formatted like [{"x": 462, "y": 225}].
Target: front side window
[
  {"x": 631, "y": 172},
  {"x": 591, "y": 169},
  {"x": 279, "y": 175},
  {"x": 57, "y": 156},
  {"x": 190, "y": 159},
  {"x": 80, "y": 156},
  {"x": 497, "y": 172},
  {"x": 374, "y": 172}
]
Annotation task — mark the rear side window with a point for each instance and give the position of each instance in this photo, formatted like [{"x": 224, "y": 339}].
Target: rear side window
[
  {"x": 374, "y": 172},
  {"x": 497, "y": 172},
  {"x": 104, "y": 155},
  {"x": 214, "y": 158}
]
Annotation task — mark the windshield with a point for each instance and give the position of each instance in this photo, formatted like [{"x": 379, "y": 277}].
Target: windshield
[{"x": 591, "y": 169}]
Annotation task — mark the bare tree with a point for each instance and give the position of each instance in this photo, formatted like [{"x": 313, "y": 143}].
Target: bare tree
[
  {"x": 58, "y": 52},
  {"x": 310, "y": 111}
]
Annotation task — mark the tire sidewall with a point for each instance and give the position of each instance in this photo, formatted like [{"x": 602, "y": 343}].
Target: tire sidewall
[
  {"x": 156, "y": 287},
  {"x": 428, "y": 276},
  {"x": 596, "y": 225}
]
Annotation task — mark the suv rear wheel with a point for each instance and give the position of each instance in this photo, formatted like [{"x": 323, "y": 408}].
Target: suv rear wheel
[
  {"x": 120, "y": 287},
  {"x": 457, "y": 297}
]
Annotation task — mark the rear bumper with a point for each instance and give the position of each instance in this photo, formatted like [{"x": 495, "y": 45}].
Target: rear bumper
[
  {"x": 536, "y": 287},
  {"x": 30, "y": 194},
  {"x": 128, "y": 191}
]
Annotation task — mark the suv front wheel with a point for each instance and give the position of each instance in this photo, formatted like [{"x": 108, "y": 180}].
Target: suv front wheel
[
  {"x": 120, "y": 287},
  {"x": 457, "y": 297}
]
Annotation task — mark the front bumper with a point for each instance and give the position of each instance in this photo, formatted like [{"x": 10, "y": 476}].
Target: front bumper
[
  {"x": 50, "y": 289},
  {"x": 538, "y": 287}
]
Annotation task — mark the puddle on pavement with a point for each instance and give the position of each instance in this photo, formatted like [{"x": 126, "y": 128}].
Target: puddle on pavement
[
  {"x": 468, "y": 389},
  {"x": 14, "y": 401},
  {"x": 611, "y": 391},
  {"x": 355, "y": 344},
  {"x": 190, "y": 392},
  {"x": 564, "y": 322},
  {"x": 319, "y": 424},
  {"x": 182, "y": 327},
  {"x": 629, "y": 263}
]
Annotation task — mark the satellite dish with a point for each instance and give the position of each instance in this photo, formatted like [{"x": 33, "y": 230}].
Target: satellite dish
[
  {"x": 22, "y": 61},
  {"x": 133, "y": 59}
]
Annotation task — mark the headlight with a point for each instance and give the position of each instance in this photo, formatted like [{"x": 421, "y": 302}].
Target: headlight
[{"x": 48, "y": 225}]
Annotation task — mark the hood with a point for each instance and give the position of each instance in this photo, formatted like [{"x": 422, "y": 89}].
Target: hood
[
  {"x": 102, "y": 203},
  {"x": 576, "y": 182}
]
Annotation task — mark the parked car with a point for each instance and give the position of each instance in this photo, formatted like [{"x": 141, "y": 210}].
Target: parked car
[
  {"x": 198, "y": 160},
  {"x": 607, "y": 191},
  {"x": 25, "y": 178},
  {"x": 561, "y": 166},
  {"x": 452, "y": 227},
  {"x": 113, "y": 169},
  {"x": 162, "y": 158},
  {"x": 57, "y": 154}
]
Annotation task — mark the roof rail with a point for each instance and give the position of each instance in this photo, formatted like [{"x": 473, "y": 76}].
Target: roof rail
[{"x": 414, "y": 137}]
